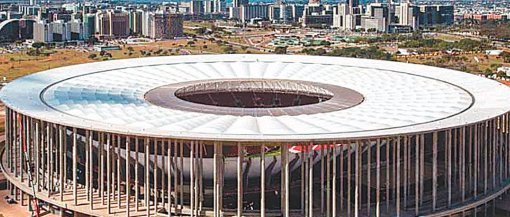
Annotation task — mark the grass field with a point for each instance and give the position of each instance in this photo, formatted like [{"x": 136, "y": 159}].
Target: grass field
[
  {"x": 472, "y": 63},
  {"x": 19, "y": 64}
]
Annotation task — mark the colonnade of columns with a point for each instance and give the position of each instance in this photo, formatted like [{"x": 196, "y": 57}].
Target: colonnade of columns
[{"x": 450, "y": 171}]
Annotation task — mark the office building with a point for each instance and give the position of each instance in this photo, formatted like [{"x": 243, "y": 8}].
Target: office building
[
  {"x": 165, "y": 25},
  {"x": 112, "y": 24}
]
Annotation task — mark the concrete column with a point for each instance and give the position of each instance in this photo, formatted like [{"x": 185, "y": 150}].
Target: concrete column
[
  {"x": 303, "y": 180},
  {"x": 449, "y": 165},
  {"x": 118, "y": 168},
  {"x": 181, "y": 174},
  {"x": 262, "y": 180},
  {"x": 349, "y": 180},
  {"x": 90, "y": 143},
  {"x": 406, "y": 168},
  {"x": 334, "y": 179},
  {"x": 101, "y": 166},
  {"x": 285, "y": 180},
  {"x": 128, "y": 186},
  {"x": 217, "y": 209},
  {"x": 397, "y": 186},
  {"x": 422, "y": 166},
  {"x": 146, "y": 185},
  {"x": 163, "y": 167},
  {"x": 240, "y": 159},
  {"x": 108, "y": 173},
  {"x": 322, "y": 179},
  {"x": 37, "y": 154},
  {"x": 387, "y": 159},
  {"x": 87, "y": 174},
  {"x": 75, "y": 167},
  {"x": 310, "y": 180},
  {"x": 201, "y": 175},
  {"x": 328, "y": 180},
  {"x": 176, "y": 175},
  {"x": 434, "y": 170},
  {"x": 61, "y": 131},
  {"x": 155, "y": 175},
  {"x": 192, "y": 178},
  {"x": 8, "y": 137},
  {"x": 137, "y": 164},
  {"x": 357, "y": 174},
  {"x": 417, "y": 175},
  {"x": 169, "y": 175},
  {"x": 378, "y": 177},
  {"x": 48, "y": 138}
]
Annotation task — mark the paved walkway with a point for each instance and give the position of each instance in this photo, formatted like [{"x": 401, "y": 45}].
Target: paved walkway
[{"x": 15, "y": 210}]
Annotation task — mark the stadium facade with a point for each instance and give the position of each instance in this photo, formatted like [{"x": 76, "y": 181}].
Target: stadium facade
[{"x": 263, "y": 135}]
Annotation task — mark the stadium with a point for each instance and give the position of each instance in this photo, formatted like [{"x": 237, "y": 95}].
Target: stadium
[{"x": 259, "y": 135}]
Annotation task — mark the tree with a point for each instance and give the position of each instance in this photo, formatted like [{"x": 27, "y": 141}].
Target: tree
[
  {"x": 200, "y": 31},
  {"x": 506, "y": 56},
  {"x": 280, "y": 50},
  {"x": 38, "y": 45},
  {"x": 229, "y": 50},
  {"x": 311, "y": 51},
  {"x": 92, "y": 40},
  {"x": 325, "y": 43}
]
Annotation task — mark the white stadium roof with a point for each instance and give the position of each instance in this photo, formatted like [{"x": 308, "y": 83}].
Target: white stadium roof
[{"x": 398, "y": 98}]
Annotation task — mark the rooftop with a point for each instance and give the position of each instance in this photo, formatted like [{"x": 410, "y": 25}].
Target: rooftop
[{"x": 377, "y": 98}]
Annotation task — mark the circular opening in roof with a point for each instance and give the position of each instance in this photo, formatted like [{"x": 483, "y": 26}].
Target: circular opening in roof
[
  {"x": 254, "y": 94},
  {"x": 254, "y": 97}
]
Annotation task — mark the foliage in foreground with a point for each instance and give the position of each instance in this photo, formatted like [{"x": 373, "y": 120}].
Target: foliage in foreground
[{"x": 356, "y": 52}]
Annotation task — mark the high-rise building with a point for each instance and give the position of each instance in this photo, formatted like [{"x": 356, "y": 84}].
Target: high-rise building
[
  {"x": 431, "y": 15},
  {"x": 61, "y": 31},
  {"x": 219, "y": 6},
  {"x": 43, "y": 32},
  {"x": 145, "y": 22},
  {"x": 251, "y": 11},
  {"x": 347, "y": 16},
  {"x": 239, "y": 3},
  {"x": 175, "y": 26},
  {"x": 76, "y": 30},
  {"x": 112, "y": 24},
  {"x": 340, "y": 16},
  {"x": 89, "y": 25},
  {"x": 197, "y": 7},
  {"x": 208, "y": 4},
  {"x": 376, "y": 17},
  {"x": 297, "y": 12},
  {"x": 314, "y": 2},
  {"x": 280, "y": 13},
  {"x": 19, "y": 2},
  {"x": 407, "y": 15},
  {"x": 317, "y": 16},
  {"x": 136, "y": 22},
  {"x": 164, "y": 25},
  {"x": 29, "y": 10},
  {"x": 353, "y": 4},
  {"x": 64, "y": 16},
  {"x": 51, "y": 32}
]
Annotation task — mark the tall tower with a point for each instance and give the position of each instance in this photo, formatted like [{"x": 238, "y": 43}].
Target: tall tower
[
  {"x": 314, "y": 2},
  {"x": 352, "y": 5},
  {"x": 283, "y": 10},
  {"x": 219, "y": 6},
  {"x": 239, "y": 3}
]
